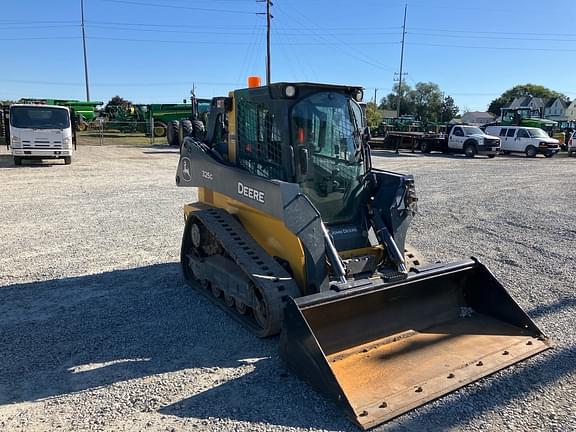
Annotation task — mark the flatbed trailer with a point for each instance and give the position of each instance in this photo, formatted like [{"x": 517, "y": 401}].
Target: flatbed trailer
[{"x": 398, "y": 139}]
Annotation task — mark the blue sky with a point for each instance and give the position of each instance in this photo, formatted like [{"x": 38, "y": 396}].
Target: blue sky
[{"x": 153, "y": 50}]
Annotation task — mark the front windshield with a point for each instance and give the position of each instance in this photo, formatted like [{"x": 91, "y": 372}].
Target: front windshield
[
  {"x": 468, "y": 130},
  {"x": 328, "y": 126},
  {"x": 37, "y": 117},
  {"x": 537, "y": 133}
]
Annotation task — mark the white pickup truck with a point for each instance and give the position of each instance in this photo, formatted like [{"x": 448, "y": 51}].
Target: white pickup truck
[
  {"x": 469, "y": 140},
  {"x": 40, "y": 132}
]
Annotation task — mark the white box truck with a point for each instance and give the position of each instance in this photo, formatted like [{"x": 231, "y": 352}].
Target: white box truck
[{"x": 40, "y": 132}]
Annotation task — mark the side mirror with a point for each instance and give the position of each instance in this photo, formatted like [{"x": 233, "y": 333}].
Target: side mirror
[
  {"x": 303, "y": 160},
  {"x": 366, "y": 135}
]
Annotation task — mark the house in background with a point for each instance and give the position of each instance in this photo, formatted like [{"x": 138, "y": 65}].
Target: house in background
[
  {"x": 555, "y": 109},
  {"x": 535, "y": 103},
  {"x": 551, "y": 108},
  {"x": 478, "y": 118},
  {"x": 571, "y": 111}
]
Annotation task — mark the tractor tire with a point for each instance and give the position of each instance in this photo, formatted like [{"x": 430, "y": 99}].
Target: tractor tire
[
  {"x": 17, "y": 160},
  {"x": 531, "y": 151},
  {"x": 82, "y": 126},
  {"x": 160, "y": 129},
  {"x": 425, "y": 147},
  {"x": 172, "y": 133},
  {"x": 470, "y": 150},
  {"x": 186, "y": 130},
  {"x": 198, "y": 129}
]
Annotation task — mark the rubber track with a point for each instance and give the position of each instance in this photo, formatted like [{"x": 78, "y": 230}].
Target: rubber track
[{"x": 261, "y": 268}]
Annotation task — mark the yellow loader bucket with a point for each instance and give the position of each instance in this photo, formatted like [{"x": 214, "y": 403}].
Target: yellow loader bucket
[{"x": 381, "y": 350}]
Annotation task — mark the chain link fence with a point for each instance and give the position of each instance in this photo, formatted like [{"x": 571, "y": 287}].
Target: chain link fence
[{"x": 114, "y": 132}]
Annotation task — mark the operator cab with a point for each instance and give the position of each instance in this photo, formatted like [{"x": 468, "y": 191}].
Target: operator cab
[{"x": 305, "y": 133}]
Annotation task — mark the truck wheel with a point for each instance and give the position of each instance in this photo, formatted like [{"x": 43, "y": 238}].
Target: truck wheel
[
  {"x": 17, "y": 160},
  {"x": 506, "y": 152},
  {"x": 491, "y": 156},
  {"x": 425, "y": 147},
  {"x": 470, "y": 150},
  {"x": 531, "y": 151},
  {"x": 67, "y": 160},
  {"x": 569, "y": 153},
  {"x": 82, "y": 126},
  {"x": 159, "y": 129},
  {"x": 172, "y": 133},
  {"x": 549, "y": 155}
]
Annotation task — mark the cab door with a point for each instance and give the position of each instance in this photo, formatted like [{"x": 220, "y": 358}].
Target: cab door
[
  {"x": 503, "y": 142},
  {"x": 511, "y": 144},
  {"x": 456, "y": 138},
  {"x": 523, "y": 140}
]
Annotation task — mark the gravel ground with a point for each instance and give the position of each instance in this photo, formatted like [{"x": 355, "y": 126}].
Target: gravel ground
[{"x": 99, "y": 332}]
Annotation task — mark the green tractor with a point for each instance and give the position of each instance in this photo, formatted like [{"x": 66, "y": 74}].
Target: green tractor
[
  {"x": 173, "y": 121},
  {"x": 526, "y": 116},
  {"x": 86, "y": 112}
]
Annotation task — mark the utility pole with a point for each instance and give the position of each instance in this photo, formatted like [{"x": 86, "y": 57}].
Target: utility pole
[
  {"x": 375, "y": 91},
  {"x": 84, "y": 46},
  {"x": 401, "y": 62},
  {"x": 269, "y": 17}
]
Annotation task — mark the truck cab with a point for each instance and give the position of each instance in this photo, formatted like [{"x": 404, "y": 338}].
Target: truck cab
[
  {"x": 461, "y": 138},
  {"x": 40, "y": 132}
]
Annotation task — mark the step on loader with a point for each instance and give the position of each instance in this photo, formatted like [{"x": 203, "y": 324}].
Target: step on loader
[{"x": 295, "y": 232}]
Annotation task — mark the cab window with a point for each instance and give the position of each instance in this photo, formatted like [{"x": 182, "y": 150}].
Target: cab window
[{"x": 458, "y": 132}]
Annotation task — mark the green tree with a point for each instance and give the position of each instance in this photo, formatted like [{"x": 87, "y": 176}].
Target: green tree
[
  {"x": 373, "y": 115},
  {"x": 448, "y": 109},
  {"x": 427, "y": 101},
  {"x": 520, "y": 90},
  {"x": 390, "y": 101}
]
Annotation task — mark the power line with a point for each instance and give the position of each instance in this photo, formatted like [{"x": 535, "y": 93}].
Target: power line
[
  {"x": 494, "y": 32},
  {"x": 41, "y": 38},
  {"x": 338, "y": 45},
  {"x": 138, "y": 3},
  {"x": 493, "y": 47},
  {"x": 459, "y": 36},
  {"x": 187, "y": 25},
  {"x": 152, "y": 84},
  {"x": 288, "y": 33}
]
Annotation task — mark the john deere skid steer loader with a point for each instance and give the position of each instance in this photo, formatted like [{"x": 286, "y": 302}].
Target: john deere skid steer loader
[{"x": 294, "y": 232}]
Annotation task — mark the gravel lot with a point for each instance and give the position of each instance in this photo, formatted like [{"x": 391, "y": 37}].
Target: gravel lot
[{"x": 99, "y": 332}]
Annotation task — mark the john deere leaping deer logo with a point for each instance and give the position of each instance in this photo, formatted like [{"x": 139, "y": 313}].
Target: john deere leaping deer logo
[{"x": 186, "y": 169}]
